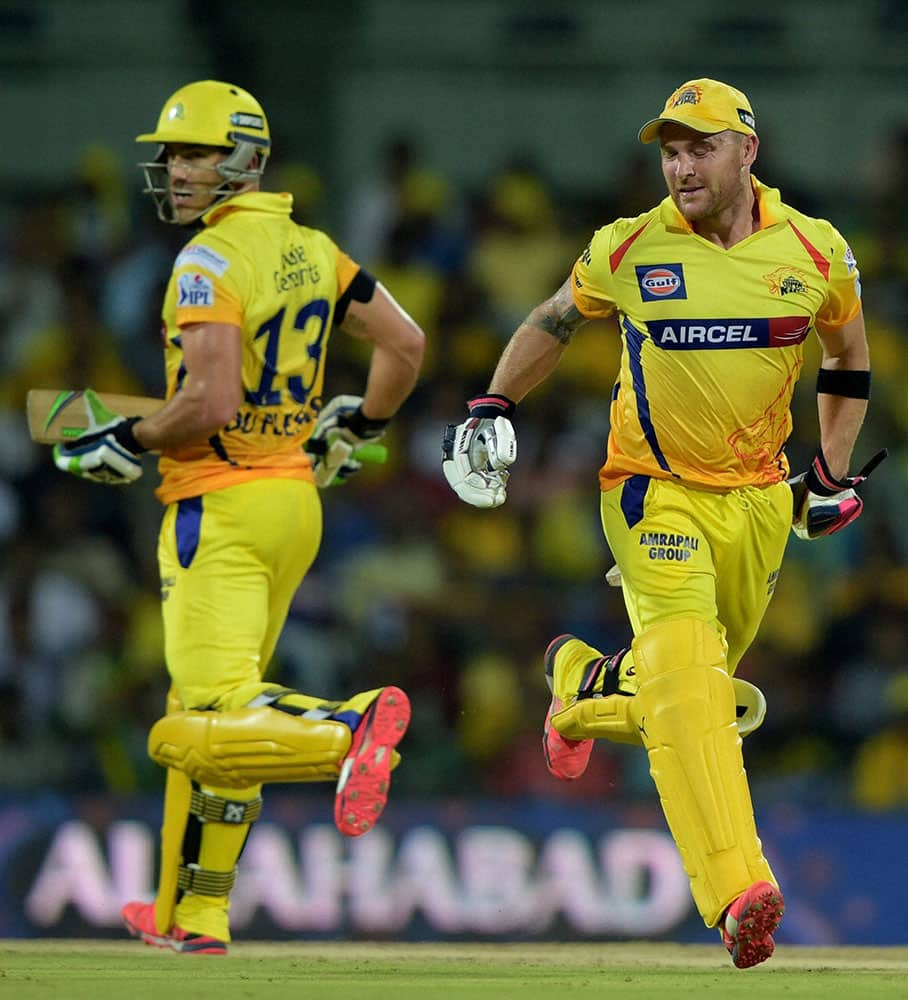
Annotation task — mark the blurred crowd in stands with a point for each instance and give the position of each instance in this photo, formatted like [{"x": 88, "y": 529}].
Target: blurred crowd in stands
[{"x": 411, "y": 586}]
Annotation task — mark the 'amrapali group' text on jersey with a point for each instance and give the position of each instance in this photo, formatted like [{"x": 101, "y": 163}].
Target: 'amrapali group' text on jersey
[{"x": 684, "y": 405}]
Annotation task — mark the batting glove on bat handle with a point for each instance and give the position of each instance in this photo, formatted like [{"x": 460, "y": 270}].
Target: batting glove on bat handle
[
  {"x": 108, "y": 455},
  {"x": 341, "y": 433},
  {"x": 822, "y": 504}
]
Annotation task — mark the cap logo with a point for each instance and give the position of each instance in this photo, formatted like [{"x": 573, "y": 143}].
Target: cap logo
[
  {"x": 247, "y": 121},
  {"x": 747, "y": 118},
  {"x": 177, "y": 111},
  {"x": 691, "y": 95}
]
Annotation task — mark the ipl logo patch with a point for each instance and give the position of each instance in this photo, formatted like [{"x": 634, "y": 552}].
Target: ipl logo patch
[
  {"x": 661, "y": 281},
  {"x": 194, "y": 290}
]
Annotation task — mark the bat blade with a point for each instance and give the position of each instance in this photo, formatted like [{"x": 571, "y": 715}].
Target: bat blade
[{"x": 56, "y": 416}]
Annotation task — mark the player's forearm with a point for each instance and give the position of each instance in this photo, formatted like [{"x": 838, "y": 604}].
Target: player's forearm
[
  {"x": 840, "y": 423},
  {"x": 531, "y": 355},
  {"x": 393, "y": 372},
  {"x": 193, "y": 414},
  {"x": 535, "y": 349},
  {"x": 398, "y": 345},
  {"x": 840, "y": 408}
]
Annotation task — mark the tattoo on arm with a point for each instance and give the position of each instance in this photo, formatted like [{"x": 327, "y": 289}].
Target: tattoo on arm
[
  {"x": 354, "y": 326},
  {"x": 558, "y": 315}
]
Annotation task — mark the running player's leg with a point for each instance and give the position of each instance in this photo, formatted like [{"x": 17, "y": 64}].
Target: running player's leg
[
  {"x": 351, "y": 741},
  {"x": 589, "y": 701},
  {"x": 214, "y": 589},
  {"x": 227, "y": 591},
  {"x": 590, "y": 688},
  {"x": 748, "y": 569},
  {"x": 746, "y": 573},
  {"x": 197, "y": 871},
  {"x": 684, "y": 707}
]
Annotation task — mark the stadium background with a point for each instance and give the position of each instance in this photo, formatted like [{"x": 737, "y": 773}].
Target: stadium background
[{"x": 464, "y": 152}]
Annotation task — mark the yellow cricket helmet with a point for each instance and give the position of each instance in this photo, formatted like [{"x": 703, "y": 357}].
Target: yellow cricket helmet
[{"x": 210, "y": 113}]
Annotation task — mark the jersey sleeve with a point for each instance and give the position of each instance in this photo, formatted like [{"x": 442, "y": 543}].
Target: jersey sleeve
[
  {"x": 591, "y": 283},
  {"x": 843, "y": 302},
  {"x": 347, "y": 269},
  {"x": 206, "y": 285}
]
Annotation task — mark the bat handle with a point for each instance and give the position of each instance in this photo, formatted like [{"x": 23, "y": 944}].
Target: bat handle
[{"x": 374, "y": 454}]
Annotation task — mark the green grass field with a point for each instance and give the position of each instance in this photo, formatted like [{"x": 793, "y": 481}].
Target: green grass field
[{"x": 73, "y": 970}]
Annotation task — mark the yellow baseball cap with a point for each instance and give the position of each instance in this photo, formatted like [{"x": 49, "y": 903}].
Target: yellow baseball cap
[{"x": 707, "y": 106}]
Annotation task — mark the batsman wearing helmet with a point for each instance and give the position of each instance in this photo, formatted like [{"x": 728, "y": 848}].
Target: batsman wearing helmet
[
  {"x": 247, "y": 315},
  {"x": 716, "y": 290}
]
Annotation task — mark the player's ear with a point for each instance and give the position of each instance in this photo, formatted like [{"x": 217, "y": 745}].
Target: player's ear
[{"x": 749, "y": 148}]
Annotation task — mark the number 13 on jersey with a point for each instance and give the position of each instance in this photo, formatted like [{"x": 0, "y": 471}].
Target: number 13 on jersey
[{"x": 291, "y": 343}]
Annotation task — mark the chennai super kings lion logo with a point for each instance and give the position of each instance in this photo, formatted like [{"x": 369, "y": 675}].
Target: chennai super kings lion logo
[
  {"x": 758, "y": 446},
  {"x": 686, "y": 95},
  {"x": 786, "y": 280}
]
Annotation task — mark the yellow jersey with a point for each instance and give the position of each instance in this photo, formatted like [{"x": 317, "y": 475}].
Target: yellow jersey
[
  {"x": 252, "y": 266},
  {"x": 712, "y": 339}
]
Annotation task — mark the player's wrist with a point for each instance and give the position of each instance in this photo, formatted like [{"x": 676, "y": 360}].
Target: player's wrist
[
  {"x": 491, "y": 404},
  {"x": 125, "y": 434},
  {"x": 820, "y": 479},
  {"x": 365, "y": 427}
]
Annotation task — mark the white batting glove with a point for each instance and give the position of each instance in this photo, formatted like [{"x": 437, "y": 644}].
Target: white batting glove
[
  {"x": 108, "y": 455},
  {"x": 478, "y": 454},
  {"x": 341, "y": 431}
]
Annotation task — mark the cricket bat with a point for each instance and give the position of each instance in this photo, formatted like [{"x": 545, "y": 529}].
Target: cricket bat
[{"x": 56, "y": 416}]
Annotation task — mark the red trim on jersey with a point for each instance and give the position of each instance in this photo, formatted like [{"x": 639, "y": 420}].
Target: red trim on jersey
[
  {"x": 785, "y": 331},
  {"x": 821, "y": 262},
  {"x": 617, "y": 256}
]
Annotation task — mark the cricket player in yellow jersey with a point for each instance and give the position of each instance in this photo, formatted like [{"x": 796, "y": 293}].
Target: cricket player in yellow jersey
[
  {"x": 247, "y": 314},
  {"x": 716, "y": 290}
]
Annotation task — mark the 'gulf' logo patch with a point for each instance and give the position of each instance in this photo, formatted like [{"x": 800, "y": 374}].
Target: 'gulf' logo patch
[{"x": 661, "y": 281}]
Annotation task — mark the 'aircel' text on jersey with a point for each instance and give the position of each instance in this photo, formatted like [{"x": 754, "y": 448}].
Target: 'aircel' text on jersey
[{"x": 729, "y": 334}]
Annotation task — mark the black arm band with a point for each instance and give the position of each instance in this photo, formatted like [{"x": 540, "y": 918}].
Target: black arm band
[
  {"x": 363, "y": 426},
  {"x": 844, "y": 382},
  {"x": 360, "y": 289}
]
